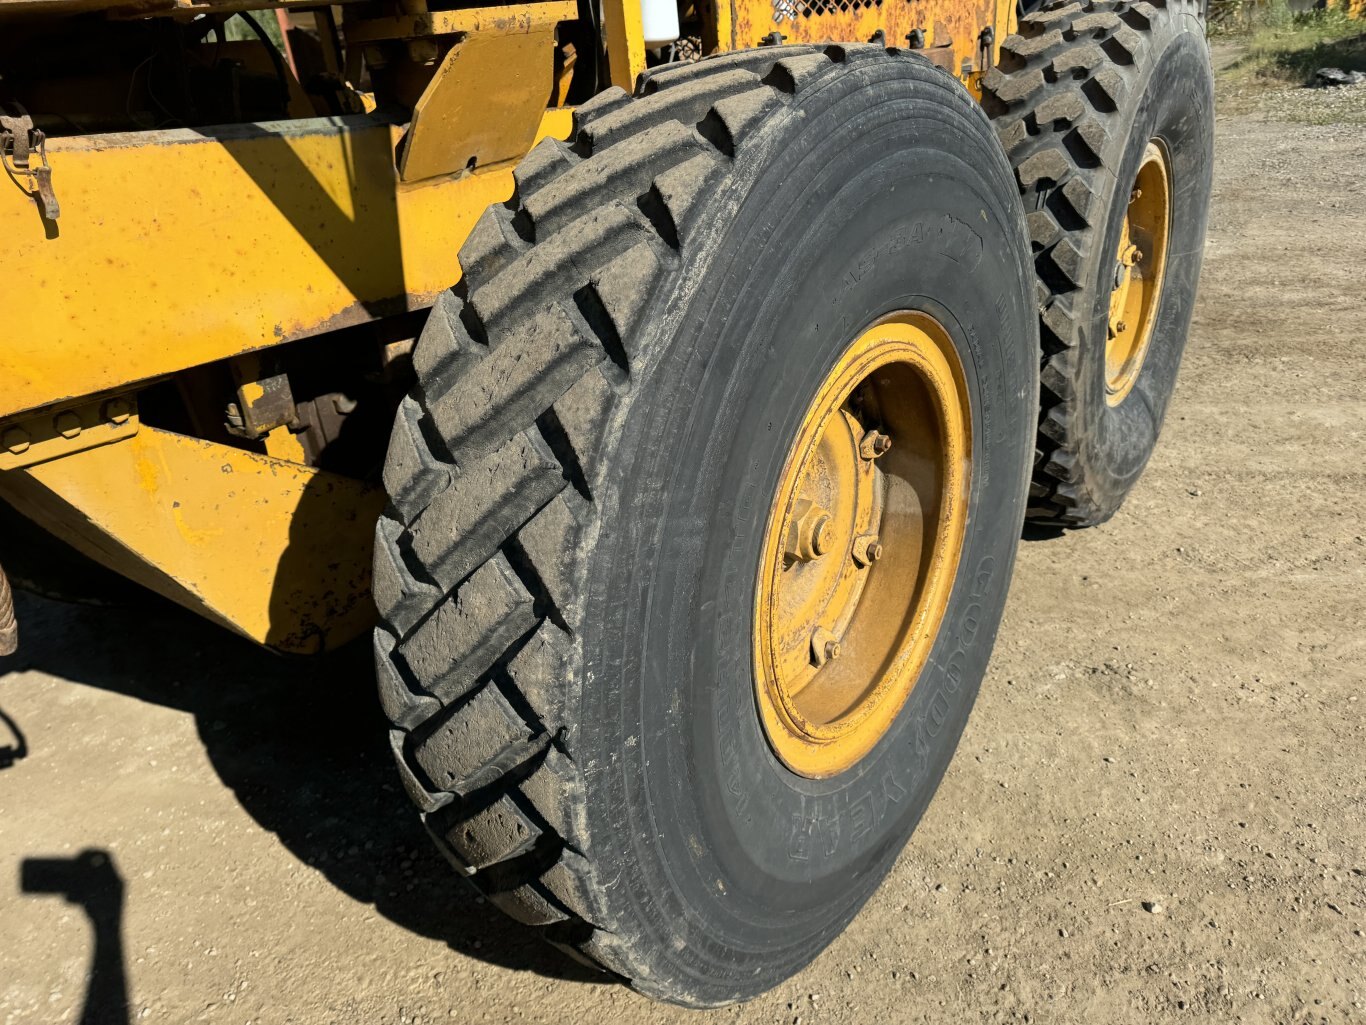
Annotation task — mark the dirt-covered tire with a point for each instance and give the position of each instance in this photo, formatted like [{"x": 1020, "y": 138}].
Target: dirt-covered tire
[
  {"x": 1079, "y": 94},
  {"x": 567, "y": 570}
]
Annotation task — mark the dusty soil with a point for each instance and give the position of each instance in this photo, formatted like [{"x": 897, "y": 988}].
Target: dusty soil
[{"x": 1158, "y": 810}]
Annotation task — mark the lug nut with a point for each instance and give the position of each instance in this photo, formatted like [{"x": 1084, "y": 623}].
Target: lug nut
[
  {"x": 810, "y": 534},
  {"x": 867, "y": 549},
  {"x": 824, "y": 646},
  {"x": 874, "y": 444}
]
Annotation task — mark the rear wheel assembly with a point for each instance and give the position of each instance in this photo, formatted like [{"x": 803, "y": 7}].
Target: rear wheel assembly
[
  {"x": 1106, "y": 111},
  {"x": 704, "y": 509}
]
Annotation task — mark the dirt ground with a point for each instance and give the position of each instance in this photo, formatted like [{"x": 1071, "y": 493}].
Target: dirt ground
[{"x": 1158, "y": 810}]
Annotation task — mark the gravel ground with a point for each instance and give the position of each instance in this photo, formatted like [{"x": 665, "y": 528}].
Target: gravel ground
[{"x": 1157, "y": 812}]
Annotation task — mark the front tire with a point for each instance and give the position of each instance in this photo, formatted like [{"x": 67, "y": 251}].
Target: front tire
[{"x": 582, "y": 481}]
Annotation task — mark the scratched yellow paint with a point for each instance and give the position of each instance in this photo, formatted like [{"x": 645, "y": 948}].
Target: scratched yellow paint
[{"x": 202, "y": 246}]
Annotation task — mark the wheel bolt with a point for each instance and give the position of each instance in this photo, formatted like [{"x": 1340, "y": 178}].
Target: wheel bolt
[
  {"x": 867, "y": 549},
  {"x": 822, "y": 534},
  {"x": 874, "y": 444},
  {"x": 824, "y": 646}
]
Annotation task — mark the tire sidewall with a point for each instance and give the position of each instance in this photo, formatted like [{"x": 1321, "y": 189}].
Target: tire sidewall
[{"x": 715, "y": 846}]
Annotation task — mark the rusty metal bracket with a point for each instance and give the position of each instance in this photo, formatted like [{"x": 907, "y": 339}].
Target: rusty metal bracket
[
  {"x": 265, "y": 400},
  {"x": 61, "y": 431},
  {"x": 19, "y": 142}
]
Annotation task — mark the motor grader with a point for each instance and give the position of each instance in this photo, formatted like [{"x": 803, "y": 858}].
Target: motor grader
[{"x": 662, "y": 384}]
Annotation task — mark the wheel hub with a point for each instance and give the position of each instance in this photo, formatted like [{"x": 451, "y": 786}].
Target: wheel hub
[
  {"x": 862, "y": 545},
  {"x": 1140, "y": 264}
]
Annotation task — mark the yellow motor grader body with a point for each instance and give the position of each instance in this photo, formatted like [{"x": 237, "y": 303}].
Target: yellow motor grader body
[{"x": 171, "y": 278}]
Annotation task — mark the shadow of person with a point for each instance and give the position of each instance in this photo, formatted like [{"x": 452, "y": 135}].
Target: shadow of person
[
  {"x": 91, "y": 881},
  {"x": 302, "y": 745}
]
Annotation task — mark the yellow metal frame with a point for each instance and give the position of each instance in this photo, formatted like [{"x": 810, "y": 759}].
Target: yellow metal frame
[
  {"x": 276, "y": 551},
  {"x": 186, "y": 247}
]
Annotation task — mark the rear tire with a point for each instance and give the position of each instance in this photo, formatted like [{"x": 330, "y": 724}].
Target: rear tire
[
  {"x": 567, "y": 571},
  {"x": 1080, "y": 93}
]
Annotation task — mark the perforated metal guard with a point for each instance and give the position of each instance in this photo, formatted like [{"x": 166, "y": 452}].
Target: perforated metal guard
[{"x": 791, "y": 10}]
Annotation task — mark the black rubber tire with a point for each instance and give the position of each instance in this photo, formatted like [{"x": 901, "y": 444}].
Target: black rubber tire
[
  {"x": 1079, "y": 93},
  {"x": 567, "y": 569}
]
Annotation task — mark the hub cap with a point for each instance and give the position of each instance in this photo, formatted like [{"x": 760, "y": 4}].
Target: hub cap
[
  {"x": 862, "y": 545},
  {"x": 1139, "y": 267}
]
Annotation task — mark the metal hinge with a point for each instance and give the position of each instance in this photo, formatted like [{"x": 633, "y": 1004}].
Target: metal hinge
[{"x": 20, "y": 142}]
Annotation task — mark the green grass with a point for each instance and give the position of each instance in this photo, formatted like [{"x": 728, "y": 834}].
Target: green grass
[{"x": 1282, "y": 49}]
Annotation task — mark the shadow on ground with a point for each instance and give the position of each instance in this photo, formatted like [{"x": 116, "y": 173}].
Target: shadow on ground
[
  {"x": 302, "y": 745},
  {"x": 92, "y": 882}
]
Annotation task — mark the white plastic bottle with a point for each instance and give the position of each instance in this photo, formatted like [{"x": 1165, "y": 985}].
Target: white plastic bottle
[{"x": 659, "y": 22}]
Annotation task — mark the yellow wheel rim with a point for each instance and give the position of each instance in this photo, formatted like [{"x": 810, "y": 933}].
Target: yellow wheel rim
[
  {"x": 862, "y": 545},
  {"x": 1140, "y": 265}
]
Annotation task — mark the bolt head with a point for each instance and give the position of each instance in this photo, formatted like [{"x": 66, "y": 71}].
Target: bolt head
[
  {"x": 810, "y": 533},
  {"x": 867, "y": 549},
  {"x": 118, "y": 411},
  {"x": 832, "y": 649},
  {"x": 68, "y": 425},
  {"x": 874, "y": 444},
  {"x": 16, "y": 440}
]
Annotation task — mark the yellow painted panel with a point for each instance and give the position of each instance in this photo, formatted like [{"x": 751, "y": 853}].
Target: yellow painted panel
[
  {"x": 468, "y": 21},
  {"x": 482, "y": 106},
  {"x": 182, "y": 247},
  {"x": 625, "y": 41},
  {"x": 276, "y": 551}
]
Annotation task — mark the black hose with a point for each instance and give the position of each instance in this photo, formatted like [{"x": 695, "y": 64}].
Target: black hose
[{"x": 281, "y": 72}]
